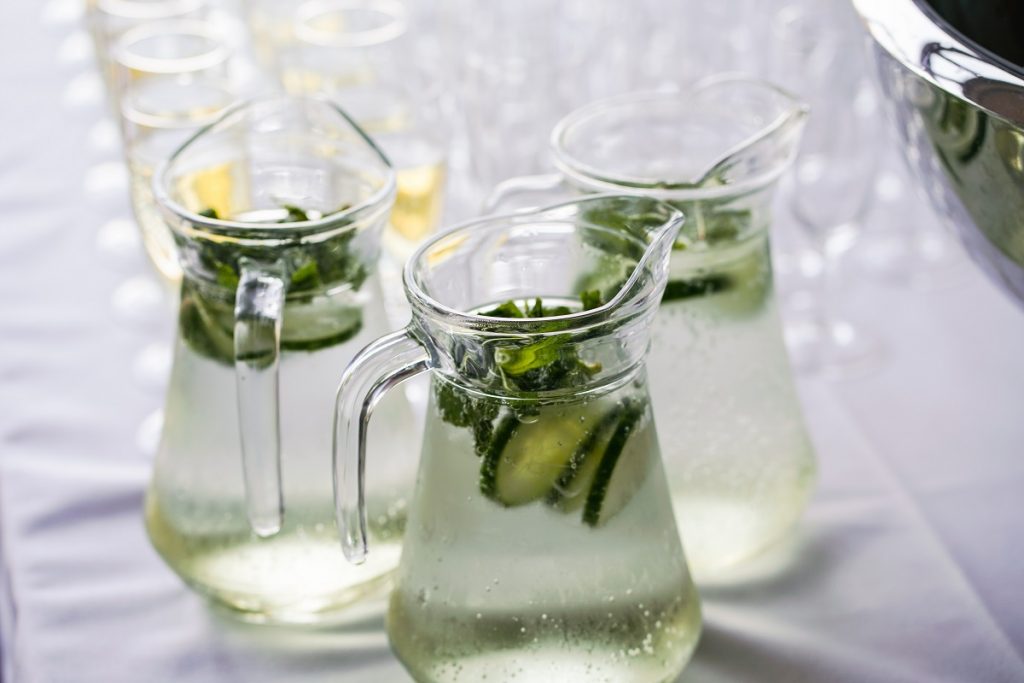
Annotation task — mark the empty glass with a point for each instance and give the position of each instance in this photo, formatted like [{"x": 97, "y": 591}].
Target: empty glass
[
  {"x": 540, "y": 542},
  {"x": 277, "y": 210},
  {"x": 357, "y": 52},
  {"x": 818, "y": 51}
]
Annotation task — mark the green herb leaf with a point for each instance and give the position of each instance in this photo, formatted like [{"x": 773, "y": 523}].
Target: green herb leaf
[
  {"x": 226, "y": 276},
  {"x": 509, "y": 309},
  {"x": 516, "y": 361},
  {"x": 591, "y": 299},
  {"x": 306, "y": 276},
  {"x": 295, "y": 214}
]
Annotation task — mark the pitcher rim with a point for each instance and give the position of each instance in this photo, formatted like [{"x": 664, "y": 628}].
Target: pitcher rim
[
  {"x": 422, "y": 302},
  {"x": 258, "y": 231},
  {"x": 593, "y": 177}
]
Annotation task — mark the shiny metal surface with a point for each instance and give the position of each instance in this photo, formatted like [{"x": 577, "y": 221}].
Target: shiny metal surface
[{"x": 959, "y": 109}]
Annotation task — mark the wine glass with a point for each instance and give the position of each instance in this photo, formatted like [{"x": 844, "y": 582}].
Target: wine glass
[
  {"x": 171, "y": 79},
  {"x": 831, "y": 187},
  {"x": 108, "y": 20}
]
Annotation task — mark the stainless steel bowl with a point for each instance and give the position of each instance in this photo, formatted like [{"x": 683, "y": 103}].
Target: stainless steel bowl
[{"x": 952, "y": 73}]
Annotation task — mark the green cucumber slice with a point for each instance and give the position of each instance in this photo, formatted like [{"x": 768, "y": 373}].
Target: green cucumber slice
[
  {"x": 620, "y": 472},
  {"x": 207, "y": 324},
  {"x": 570, "y": 489},
  {"x": 319, "y": 324},
  {"x": 525, "y": 459},
  {"x": 507, "y": 426}
]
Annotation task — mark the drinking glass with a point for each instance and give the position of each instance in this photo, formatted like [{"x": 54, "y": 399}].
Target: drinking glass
[
  {"x": 831, "y": 187},
  {"x": 172, "y": 78},
  {"x": 519, "y": 68},
  {"x": 109, "y": 19},
  {"x": 360, "y": 54}
]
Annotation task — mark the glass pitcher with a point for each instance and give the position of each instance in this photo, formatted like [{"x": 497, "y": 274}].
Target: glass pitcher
[
  {"x": 739, "y": 461},
  {"x": 541, "y": 543},
  {"x": 276, "y": 211}
]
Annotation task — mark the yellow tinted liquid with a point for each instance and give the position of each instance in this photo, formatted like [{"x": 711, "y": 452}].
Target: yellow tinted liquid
[{"x": 417, "y": 207}]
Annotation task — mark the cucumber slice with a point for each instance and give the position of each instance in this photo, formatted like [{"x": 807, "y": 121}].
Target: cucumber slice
[
  {"x": 319, "y": 324},
  {"x": 570, "y": 490},
  {"x": 507, "y": 426},
  {"x": 620, "y": 472},
  {"x": 207, "y": 325},
  {"x": 525, "y": 459}
]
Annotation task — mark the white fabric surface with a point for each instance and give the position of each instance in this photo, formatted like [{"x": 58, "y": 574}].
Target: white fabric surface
[{"x": 908, "y": 566}]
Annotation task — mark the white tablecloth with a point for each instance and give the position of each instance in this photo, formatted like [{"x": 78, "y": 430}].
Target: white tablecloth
[{"x": 909, "y": 565}]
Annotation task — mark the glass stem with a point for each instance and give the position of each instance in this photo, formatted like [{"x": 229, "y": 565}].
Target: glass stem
[{"x": 832, "y": 252}]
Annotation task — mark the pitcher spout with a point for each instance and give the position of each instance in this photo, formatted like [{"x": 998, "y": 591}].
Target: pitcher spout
[
  {"x": 725, "y": 136},
  {"x": 768, "y": 122}
]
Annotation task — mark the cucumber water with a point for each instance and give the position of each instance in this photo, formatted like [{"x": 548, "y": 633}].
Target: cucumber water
[
  {"x": 740, "y": 464},
  {"x": 195, "y": 510},
  {"x": 541, "y": 543}
]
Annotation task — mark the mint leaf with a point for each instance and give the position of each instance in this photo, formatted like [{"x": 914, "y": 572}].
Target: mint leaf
[
  {"x": 591, "y": 299},
  {"x": 295, "y": 214}
]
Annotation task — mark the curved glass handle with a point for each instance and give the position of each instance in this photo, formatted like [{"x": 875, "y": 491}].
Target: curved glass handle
[
  {"x": 506, "y": 190},
  {"x": 376, "y": 369},
  {"x": 259, "y": 303}
]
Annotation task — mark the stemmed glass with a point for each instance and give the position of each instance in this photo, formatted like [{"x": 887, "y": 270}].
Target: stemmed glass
[
  {"x": 831, "y": 186},
  {"x": 518, "y": 73},
  {"x": 360, "y": 54},
  {"x": 108, "y": 20},
  {"x": 171, "y": 79}
]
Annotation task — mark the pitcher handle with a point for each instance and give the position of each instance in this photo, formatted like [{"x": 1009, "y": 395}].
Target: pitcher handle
[
  {"x": 383, "y": 364},
  {"x": 522, "y": 185},
  {"x": 259, "y": 303}
]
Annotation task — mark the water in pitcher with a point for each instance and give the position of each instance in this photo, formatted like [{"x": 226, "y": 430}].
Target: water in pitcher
[
  {"x": 297, "y": 214},
  {"x": 749, "y": 467},
  {"x": 196, "y": 514},
  {"x": 735, "y": 448},
  {"x": 540, "y": 542},
  {"x": 573, "y": 486}
]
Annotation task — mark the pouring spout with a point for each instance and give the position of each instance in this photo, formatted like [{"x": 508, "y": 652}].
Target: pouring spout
[
  {"x": 768, "y": 121},
  {"x": 724, "y": 136}
]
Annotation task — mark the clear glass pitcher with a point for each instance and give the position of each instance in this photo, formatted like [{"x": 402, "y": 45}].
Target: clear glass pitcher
[
  {"x": 276, "y": 211},
  {"x": 541, "y": 543},
  {"x": 739, "y": 461}
]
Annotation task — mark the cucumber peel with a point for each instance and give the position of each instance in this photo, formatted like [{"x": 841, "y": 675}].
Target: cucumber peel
[
  {"x": 532, "y": 457},
  {"x": 506, "y": 427},
  {"x": 600, "y": 506},
  {"x": 570, "y": 489}
]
